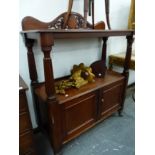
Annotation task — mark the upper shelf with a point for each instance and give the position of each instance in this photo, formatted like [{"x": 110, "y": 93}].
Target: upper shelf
[
  {"x": 77, "y": 33},
  {"x": 33, "y": 28}
]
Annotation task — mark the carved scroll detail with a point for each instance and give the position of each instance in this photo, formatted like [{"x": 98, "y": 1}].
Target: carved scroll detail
[
  {"x": 76, "y": 21},
  {"x": 58, "y": 24},
  {"x": 80, "y": 22}
]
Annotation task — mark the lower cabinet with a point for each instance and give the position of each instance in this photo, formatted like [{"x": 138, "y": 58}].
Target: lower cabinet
[
  {"x": 80, "y": 109},
  {"x": 85, "y": 111}
]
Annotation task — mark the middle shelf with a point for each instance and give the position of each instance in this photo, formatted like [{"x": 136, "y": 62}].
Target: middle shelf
[{"x": 111, "y": 77}]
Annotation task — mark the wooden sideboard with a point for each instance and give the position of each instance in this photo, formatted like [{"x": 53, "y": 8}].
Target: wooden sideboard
[
  {"x": 26, "y": 144},
  {"x": 66, "y": 117}
]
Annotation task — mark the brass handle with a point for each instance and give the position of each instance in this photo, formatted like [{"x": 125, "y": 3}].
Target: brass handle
[
  {"x": 102, "y": 100},
  {"x": 52, "y": 118}
]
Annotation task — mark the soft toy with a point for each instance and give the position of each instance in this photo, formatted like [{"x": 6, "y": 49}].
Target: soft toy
[
  {"x": 78, "y": 79},
  {"x": 80, "y": 75}
]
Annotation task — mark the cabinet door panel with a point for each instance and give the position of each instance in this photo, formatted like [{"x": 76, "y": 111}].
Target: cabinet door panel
[
  {"x": 111, "y": 99},
  {"x": 79, "y": 114}
]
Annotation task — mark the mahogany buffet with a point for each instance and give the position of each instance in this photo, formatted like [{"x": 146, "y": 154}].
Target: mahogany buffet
[{"x": 66, "y": 117}]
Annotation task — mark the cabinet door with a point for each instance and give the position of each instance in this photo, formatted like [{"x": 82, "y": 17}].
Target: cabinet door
[
  {"x": 79, "y": 115},
  {"x": 111, "y": 99}
]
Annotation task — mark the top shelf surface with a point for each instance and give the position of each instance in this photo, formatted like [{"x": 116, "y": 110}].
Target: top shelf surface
[{"x": 77, "y": 33}]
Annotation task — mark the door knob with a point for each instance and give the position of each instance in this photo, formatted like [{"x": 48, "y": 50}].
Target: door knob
[{"x": 102, "y": 100}]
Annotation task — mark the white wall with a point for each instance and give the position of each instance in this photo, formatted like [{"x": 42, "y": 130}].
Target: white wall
[{"x": 65, "y": 52}]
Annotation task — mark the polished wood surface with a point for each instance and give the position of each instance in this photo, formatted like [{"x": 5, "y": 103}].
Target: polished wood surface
[
  {"x": 110, "y": 77},
  {"x": 65, "y": 117},
  {"x": 26, "y": 143},
  {"x": 68, "y": 34},
  {"x": 75, "y": 21}
]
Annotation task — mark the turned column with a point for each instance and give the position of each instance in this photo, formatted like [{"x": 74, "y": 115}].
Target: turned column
[
  {"x": 54, "y": 113},
  {"x": 46, "y": 45},
  {"x": 128, "y": 55},
  {"x": 99, "y": 67},
  {"x": 126, "y": 69},
  {"x": 31, "y": 61},
  {"x": 29, "y": 43},
  {"x": 104, "y": 49}
]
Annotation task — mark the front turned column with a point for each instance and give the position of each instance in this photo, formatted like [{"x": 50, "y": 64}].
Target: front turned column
[
  {"x": 46, "y": 45},
  {"x": 126, "y": 69},
  {"x": 54, "y": 112}
]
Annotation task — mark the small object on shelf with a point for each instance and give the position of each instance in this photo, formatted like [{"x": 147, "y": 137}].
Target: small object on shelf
[
  {"x": 63, "y": 85},
  {"x": 66, "y": 95},
  {"x": 80, "y": 75},
  {"x": 86, "y": 72},
  {"x": 99, "y": 74},
  {"x": 78, "y": 79},
  {"x": 99, "y": 68}
]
